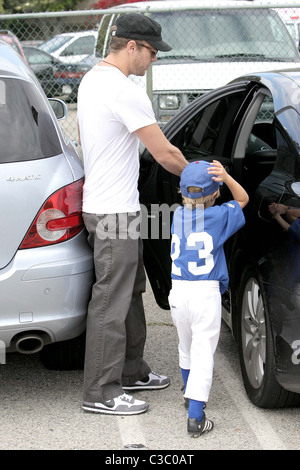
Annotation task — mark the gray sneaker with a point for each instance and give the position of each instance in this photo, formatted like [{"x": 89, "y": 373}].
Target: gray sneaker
[
  {"x": 153, "y": 381},
  {"x": 121, "y": 405}
]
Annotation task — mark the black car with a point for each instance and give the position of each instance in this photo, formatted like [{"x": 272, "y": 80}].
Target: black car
[
  {"x": 44, "y": 66},
  {"x": 69, "y": 76},
  {"x": 252, "y": 126}
]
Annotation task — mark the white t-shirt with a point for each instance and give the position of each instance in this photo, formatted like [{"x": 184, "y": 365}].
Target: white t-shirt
[{"x": 110, "y": 107}]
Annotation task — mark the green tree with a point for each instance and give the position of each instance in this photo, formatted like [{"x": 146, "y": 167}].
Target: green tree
[{"x": 33, "y": 6}]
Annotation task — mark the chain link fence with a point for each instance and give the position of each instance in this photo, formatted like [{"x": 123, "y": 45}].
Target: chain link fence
[{"x": 211, "y": 46}]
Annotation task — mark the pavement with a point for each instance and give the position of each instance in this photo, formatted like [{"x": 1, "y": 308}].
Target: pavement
[{"x": 41, "y": 409}]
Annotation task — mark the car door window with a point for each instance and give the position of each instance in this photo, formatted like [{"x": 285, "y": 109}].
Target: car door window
[
  {"x": 80, "y": 46},
  {"x": 256, "y": 147},
  {"x": 55, "y": 43},
  {"x": 38, "y": 58},
  {"x": 288, "y": 161},
  {"x": 269, "y": 173},
  {"x": 263, "y": 131},
  {"x": 207, "y": 132}
]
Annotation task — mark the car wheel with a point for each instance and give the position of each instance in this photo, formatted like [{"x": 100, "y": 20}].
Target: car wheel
[
  {"x": 256, "y": 347},
  {"x": 64, "y": 355}
]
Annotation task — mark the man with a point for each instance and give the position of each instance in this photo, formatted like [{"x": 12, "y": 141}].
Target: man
[{"x": 113, "y": 115}]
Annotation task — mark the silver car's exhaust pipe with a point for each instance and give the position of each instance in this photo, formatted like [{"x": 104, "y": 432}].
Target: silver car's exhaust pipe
[{"x": 29, "y": 343}]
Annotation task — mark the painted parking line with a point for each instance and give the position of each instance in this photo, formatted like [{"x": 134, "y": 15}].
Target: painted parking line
[{"x": 131, "y": 432}]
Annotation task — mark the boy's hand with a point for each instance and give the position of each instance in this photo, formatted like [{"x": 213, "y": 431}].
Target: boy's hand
[
  {"x": 221, "y": 176},
  {"x": 273, "y": 208},
  {"x": 219, "y": 172}
]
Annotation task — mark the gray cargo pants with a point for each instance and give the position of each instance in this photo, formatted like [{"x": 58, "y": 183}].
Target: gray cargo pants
[{"x": 116, "y": 326}]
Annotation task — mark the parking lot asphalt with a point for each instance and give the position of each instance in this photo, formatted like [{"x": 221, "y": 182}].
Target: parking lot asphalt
[{"x": 41, "y": 409}]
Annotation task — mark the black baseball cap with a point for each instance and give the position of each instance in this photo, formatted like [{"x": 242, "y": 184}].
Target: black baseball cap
[{"x": 138, "y": 26}]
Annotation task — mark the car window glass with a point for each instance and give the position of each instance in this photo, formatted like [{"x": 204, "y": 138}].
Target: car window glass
[
  {"x": 80, "y": 46},
  {"x": 259, "y": 135},
  {"x": 245, "y": 36},
  {"x": 54, "y": 43},
  {"x": 257, "y": 35},
  {"x": 263, "y": 136},
  {"x": 206, "y": 132},
  {"x": 37, "y": 57},
  {"x": 291, "y": 29},
  {"x": 288, "y": 148},
  {"x": 269, "y": 147},
  {"x": 27, "y": 131}
]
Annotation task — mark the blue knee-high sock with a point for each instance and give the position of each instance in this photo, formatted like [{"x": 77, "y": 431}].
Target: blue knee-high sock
[
  {"x": 185, "y": 376},
  {"x": 196, "y": 409}
]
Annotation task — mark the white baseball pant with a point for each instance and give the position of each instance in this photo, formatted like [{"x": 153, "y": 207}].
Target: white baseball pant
[{"x": 196, "y": 312}]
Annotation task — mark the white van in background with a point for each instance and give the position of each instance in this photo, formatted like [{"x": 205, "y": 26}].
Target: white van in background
[{"x": 211, "y": 47}]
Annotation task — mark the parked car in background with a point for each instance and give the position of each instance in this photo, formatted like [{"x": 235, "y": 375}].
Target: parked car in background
[
  {"x": 46, "y": 265},
  {"x": 252, "y": 127},
  {"x": 13, "y": 41},
  {"x": 71, "y": 47},
  {"x": 211, "y": 46},
  {"x": 69, "y": 76},
  {"x": 44, "y": 66},
  {"x": 32, "y": 43}
]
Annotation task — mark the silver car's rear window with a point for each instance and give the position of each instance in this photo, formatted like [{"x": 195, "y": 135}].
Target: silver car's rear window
[{"x": 27, "y": 131}]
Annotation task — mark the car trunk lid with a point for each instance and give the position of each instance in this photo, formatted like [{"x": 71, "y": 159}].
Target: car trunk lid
[{"x": 24, "y": 188}]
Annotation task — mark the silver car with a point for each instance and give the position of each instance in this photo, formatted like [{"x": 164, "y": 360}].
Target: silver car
[{"x": 46, "y": 264}]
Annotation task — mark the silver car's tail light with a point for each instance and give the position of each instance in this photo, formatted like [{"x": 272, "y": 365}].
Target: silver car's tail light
[
  {"x": 45, "y": 231},
  {"x": 59, "y": 219}
]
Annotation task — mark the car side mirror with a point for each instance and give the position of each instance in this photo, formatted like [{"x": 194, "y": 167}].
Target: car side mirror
[{"x": 59, "y": 107}]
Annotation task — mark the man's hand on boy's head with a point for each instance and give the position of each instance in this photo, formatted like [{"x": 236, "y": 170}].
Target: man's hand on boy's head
[{"x": 218, "y": 171}]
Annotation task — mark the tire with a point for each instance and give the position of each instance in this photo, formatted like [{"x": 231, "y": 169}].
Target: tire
[
  {"x": 256, "y": 351},
  {"x": 64, "y": 355}
]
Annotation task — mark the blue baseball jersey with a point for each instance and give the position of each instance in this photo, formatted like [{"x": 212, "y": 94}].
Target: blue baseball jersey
[{"x": 198, "y": 237}]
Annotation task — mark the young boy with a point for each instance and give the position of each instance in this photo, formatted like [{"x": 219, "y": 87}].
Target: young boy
[{"x": 200, "y": 276}]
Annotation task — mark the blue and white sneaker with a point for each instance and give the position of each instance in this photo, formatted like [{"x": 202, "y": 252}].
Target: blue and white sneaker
[
  {"x": 153, "y": 381},
  {"x": 122, "y": 405}
]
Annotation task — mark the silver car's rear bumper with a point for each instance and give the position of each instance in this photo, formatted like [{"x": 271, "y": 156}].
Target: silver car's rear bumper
[{"x": 46, "y": 290}]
